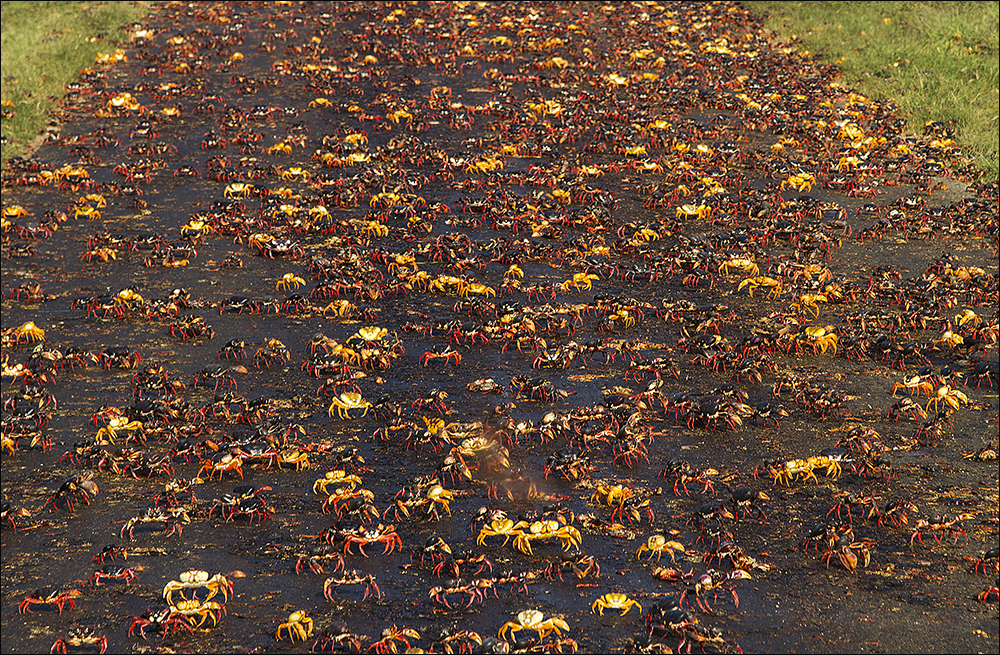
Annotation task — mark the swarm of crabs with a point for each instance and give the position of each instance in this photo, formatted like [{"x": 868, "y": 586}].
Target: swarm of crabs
[{"x": 502, "y": 295}]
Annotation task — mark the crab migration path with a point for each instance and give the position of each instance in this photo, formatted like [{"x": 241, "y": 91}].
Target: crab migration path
[{"x": 493, "y": 327}]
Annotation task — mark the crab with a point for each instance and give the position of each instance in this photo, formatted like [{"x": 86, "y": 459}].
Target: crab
[
  {"x": 272, "y": 350},
  {"x": 298, "y": 625},
  {"x": 384, "y": 534},
  {"x": 374, "y": 229},
  {"x": 194, "y": 607},
  {"x": 114, "y": 572},
  {"x": 118, "y": 424},
  {"x": 918, "y": 383},
  {"x": 714, "y": 581},
  {"x": 350, "y": 577},
  {"x": 967, "y": 316},
  {"x": 988, "y": 561},
  {"x": 953, "y": 398},
  {"x": 239, "y": 190},
  {"x": 821, "y": 338},
  {"x": 847, "y": 551},
  {"x": 337, "y": 477},
  {"x": 80, "y": 485},
  {"x": 567, "y": 535},
  {"x": 476, "y": 589},
  {"x": 801, "y": 182},
  {"x": 221, "y": 464},
  {"x": 623, "y": 500},
  {"x": 772, "y": 285},
  {"x": 167, "y": 620},
  {"x": 175, "y": 518},
  {"x": 192, "y": 327},
  {"x": 196, "y": 579},
  {"x": 88, "y": 212},
  {"x": 345, "y": 402},
  {"x": 289, "y": 281},
  {"x": 694, "y": 211},
  {"x": 29, "y": 332},
  {"x": 658, "y": 544},
  {"x": 615, "y": 602},
  {"x": 60, "y": 599},
  {"x": 368, "y": 336},
  {"x": 428, "y": 499},
  {"x": 940, "y": 525},
  {"x": 14, "y": 212},
  {"x": 809, "y": 302},
  {"x": 445, "y": 355},
  {"x": 579, "y": 281},
  {"x": 104, "y": 254},
  {"x": 447, "y": 284},
  {"x": 284, "y": 148},
  {"x": 744, "y": 264},
  {"x": 477, "y": 289},
  {"x": 80, "y": 636},
  {"x": 196, "y": 228},
  {"x": 500, "y": 526},
  {"x": 294, "y": 456},
  {"x": 390, "y": 635},
  {"x": 533, "y": 620}
]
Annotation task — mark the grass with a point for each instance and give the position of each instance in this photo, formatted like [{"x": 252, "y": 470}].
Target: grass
[
  {"x": 45, "y": 46},
  {"x": 938, "y": 60}
]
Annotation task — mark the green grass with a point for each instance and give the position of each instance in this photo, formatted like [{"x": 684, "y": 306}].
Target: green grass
[
  {"x": 938, "y": 60},
  {"x": 46, "y": 45}
]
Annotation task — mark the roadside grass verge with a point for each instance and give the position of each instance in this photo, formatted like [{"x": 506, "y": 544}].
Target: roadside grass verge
[
  {"x": 45, "y": 46},
  {"x": 938, "y": 60}
]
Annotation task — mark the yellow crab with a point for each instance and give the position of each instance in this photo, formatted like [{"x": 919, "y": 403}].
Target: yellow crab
[
  {"x": 658, "y": 544},
  {"x": 375, "y": 229},
  {"x": 368, "y": 335},
  {"x": 753, "y": 283},
  {"x": 694, "y": 211},
  {"x": 447, "y": 284},
  {"x": 289, "y": 281},
  {"x": 195, "y": 228},
  {"x": 822, "y": 339},
  {"x": 385, "y": 199},
  {"x": 477, "y": 289},
  {"x": 118, "y": 424},
  {"x": 399, "y": 114},
  {"x": 499, "y": 527},
  {"x": 346, "y": 401},
  {"x": 810, "y": 302},
  {"x": 536, "y": 621},
  {"x": 337, "y": 477},
  {"x": 356, "y": 138},
  {"x": 298, "y": 626},
  {"x": 614, "y": 602},
  {"x": 743, "y": 264},
  {"x": 514, "y": 272},
  {"x": 29, "y": 332},
  {"x": 801, "y": 182},
  {"x": 968, "y": 316},
  {"x": 238, "y": 190},
  {"x": 87, "y": 212},
  {"x": 14, "y": 212},
  {"x": 580, "y": 281},
  {"x": 295, "y": 173},
  {"x": 953, "y": 398}
]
